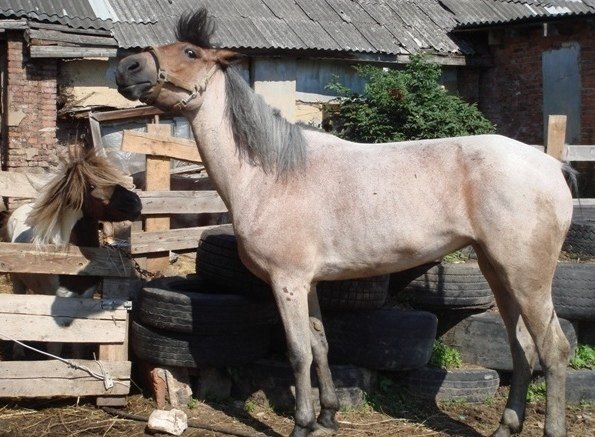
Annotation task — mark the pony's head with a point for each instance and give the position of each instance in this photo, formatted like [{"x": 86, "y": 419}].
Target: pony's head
[
  {"x": 85, "y": 185},
  {"x": 175, "y": 75}
]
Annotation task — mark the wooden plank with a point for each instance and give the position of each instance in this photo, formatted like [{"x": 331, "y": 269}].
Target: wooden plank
[
  {"x": 556, "y": 137},
  {"x": 114, "y": 289},
  {"x": 580, "y": 153},
  {"x": 55, "y": 378},
  {"x": 157, "y": 178},
  {"x": 73, "y": 260},
  {"x": 159, "y": 145},
  {"x": 72, "y": 52},
  {"x": 181, "y": 202},
  {"x": 121, "y": 114},
  {"x": 33, "y": 305},
  {"x": 584, "y": 202},
  {"x": 17, "y": 184},
  {"x": 61, "y": 329},
  {"x": 174, "y": 239},
  {"x": 79, "y": 39}
]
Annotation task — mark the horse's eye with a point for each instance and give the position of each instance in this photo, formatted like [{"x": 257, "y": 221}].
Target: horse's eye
[{"x": 191, "y": 53}]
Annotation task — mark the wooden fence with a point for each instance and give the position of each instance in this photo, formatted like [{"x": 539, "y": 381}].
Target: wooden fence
[{"x": 105, "y": 321}]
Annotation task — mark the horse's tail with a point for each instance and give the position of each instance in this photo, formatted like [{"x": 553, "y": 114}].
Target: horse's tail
[{"x": 570, "y": 175}]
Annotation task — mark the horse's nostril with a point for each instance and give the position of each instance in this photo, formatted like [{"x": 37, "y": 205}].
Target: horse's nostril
[{"x": 134, "y": 66}]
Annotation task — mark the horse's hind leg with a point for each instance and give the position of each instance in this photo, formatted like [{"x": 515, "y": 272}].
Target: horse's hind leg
[
  {"x": 524, "y": 301},
  {"x": 328, "y": 397}
]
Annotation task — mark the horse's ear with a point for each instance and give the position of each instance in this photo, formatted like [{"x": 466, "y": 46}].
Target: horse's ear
[{"x": 228, "y": 57}]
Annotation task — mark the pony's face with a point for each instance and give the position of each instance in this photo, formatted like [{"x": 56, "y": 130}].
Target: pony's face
[
  {"x": 170, "y": 76},
  {"x": 112, "y": 203}
]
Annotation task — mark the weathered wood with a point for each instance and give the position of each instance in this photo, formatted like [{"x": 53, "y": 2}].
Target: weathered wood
[
  {"x": 112, "y": 309},
  {"x": 121, "y": 114},
  {"x": 55, "y": 378},
  {"x": 50, "y": 318},
  {"x": 95, "y": 261},
  {"x": 116, "y": 289},
  {"x": 72, "y": 52},
  {"x": 556, "y": 137},
  {"x": 159, "y": 145},
  {"x": 79, "y": 39},
  {"x": 174, "y": 239},
  {"x": 580, "y": 153},
  {"x": 157, "y": 178},
  {"x": 181, "y": 202}
]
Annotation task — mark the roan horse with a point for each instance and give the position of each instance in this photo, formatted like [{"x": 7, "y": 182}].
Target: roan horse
[
  {"x": 86, "y": 189},
  {"x": 307, "y": 206}
]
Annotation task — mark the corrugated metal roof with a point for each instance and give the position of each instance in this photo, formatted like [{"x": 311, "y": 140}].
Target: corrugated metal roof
[
  {"x": 73, "y": 13},
  {"x": 364, "y": 26},
  {"x": 471, "y": 13},
  {"x": 389, "y": 27}
]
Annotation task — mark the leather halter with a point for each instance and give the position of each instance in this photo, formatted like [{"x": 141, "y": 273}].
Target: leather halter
[{"x": 163, "y": 77}]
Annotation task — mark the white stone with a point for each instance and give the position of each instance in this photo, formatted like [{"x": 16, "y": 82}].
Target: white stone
[{"x": 172, "y": 422}]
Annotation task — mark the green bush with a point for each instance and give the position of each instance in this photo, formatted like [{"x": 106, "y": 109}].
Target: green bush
[
  {"x": 407, "y": 104},
  {"x": 444, "y": 356},
  {"x": 584, "y": 357}
]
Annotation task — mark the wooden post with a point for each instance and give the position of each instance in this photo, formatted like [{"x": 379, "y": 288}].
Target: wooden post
[
  {"x": 556, "y": 137},
  {"x": 158, "y": 179}
]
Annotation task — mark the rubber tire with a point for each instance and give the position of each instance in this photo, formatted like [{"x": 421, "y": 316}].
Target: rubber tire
[
  {"x": 468, "y": 385},
  {"x": 457, "y": 286},
  {"x": 385, "y": 339},
  {"x": 276, "y": 380},
  {"x": 580, "y": 385},
  {"x": 482, "y": 340},
  {"x": 200, "y": 350},
  {"x": 573, "y": 291},
  {"x": 188, "y": 305},
  {"x": 353, "y": 294},
  {"x": 218, "y": 262},
  {"x": 580, "y": 240}
]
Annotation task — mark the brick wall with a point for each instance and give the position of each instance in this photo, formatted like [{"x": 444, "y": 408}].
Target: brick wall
[
  {"x": 30, "y": 117},
  {"x": 510, "y": 93}
]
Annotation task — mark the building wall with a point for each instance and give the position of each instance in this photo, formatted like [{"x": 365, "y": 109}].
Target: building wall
[
  {"x": 511, "y": 92},
  {"x": 29, "y": 118}
]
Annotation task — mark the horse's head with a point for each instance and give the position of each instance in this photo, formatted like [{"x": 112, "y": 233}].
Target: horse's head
[
  {"x": 175, "y": 75},
  {"x": 87, "y": 185}
]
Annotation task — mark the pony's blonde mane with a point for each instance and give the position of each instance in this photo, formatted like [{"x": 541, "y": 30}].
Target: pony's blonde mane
[{"x": 59, "y": 204}]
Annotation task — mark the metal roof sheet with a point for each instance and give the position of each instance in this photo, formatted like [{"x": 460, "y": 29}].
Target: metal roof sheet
[
  {"x": 73, "y": 13},
  {"x": 391, "y": 27},
  {"x": 471, "y": 13}
]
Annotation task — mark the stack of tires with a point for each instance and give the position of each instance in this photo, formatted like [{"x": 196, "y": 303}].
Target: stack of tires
[
  {"x": 453, "y": 292},
  {"x": 462, "y": 300},
  {"x": 191, "y": 323},
  {"x": 363, "y": 335}
]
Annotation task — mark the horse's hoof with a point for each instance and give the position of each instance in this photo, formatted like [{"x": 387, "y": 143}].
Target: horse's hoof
[
  {"x": 299, "y": 431},
  {"x": 502, "y": 431},
  {"x": 320, "y": 431},
  {"x": 327, "y": 420}
]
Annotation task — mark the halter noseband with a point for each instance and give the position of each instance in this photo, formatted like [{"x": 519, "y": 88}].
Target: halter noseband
[{"x": 162, "y": 78}]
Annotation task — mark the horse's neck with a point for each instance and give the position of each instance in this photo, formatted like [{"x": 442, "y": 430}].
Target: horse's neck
[
  {"x": 228, "y": 172},
  {"x": 85, "y": 233}
]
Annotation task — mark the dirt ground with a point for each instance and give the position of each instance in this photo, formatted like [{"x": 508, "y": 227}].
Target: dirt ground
[
  {"x": 389, "y": 412},
  {"x": 379, "y": 417}
]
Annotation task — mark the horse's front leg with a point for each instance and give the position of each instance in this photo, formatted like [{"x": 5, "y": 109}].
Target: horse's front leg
[
  {"x": 328, "y": 396},
  {"x": 292, "y": 301}
]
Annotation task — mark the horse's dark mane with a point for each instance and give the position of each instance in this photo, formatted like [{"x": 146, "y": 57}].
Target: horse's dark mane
[
  {"x": 260, "y": 132},
  {"x": 196, "y": 28}
]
